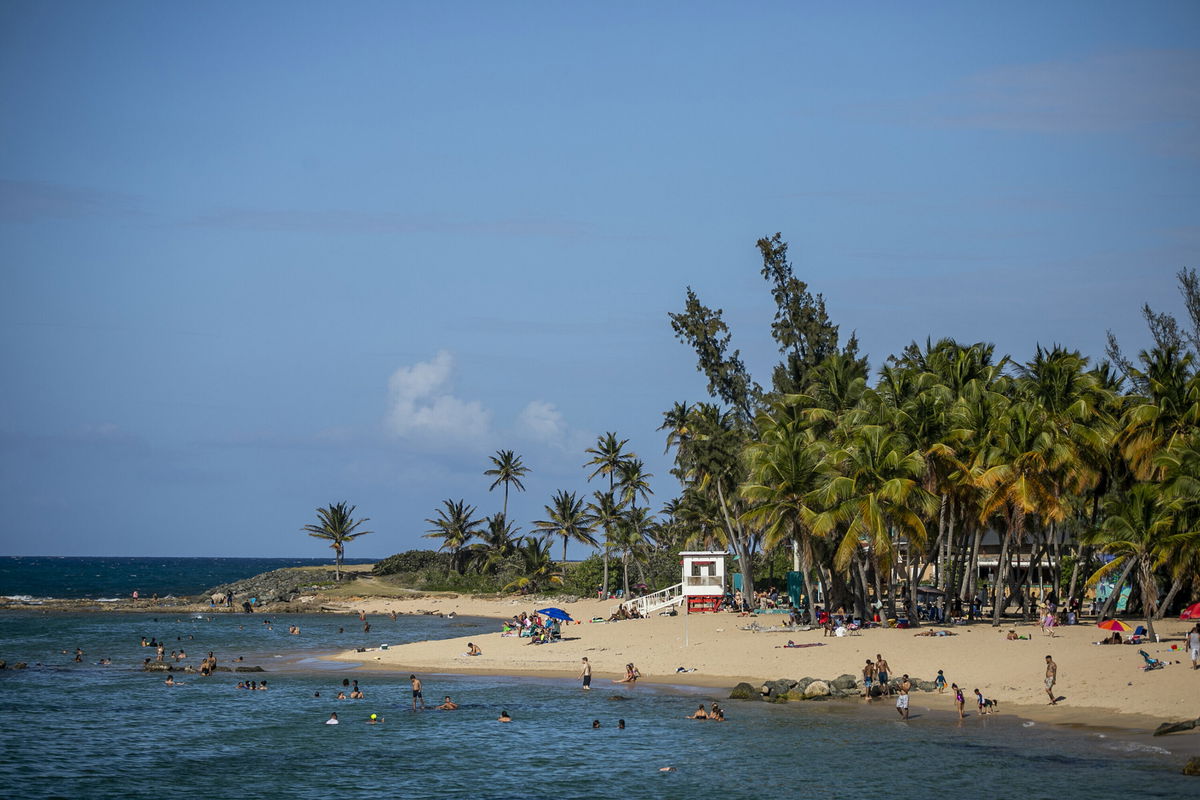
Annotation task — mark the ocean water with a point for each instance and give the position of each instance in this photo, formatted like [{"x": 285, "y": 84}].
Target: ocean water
[
  {"x": 90, "y": 731},
  {"x": 94, "y": 578}
]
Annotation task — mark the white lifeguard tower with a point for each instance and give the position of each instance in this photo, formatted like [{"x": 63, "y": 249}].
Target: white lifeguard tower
[
  {"x": 701, "y": 586},
  {"x": 703, "y": 579}
]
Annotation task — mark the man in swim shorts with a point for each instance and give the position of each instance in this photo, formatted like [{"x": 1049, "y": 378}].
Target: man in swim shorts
[
  {"x": 586, "y": 675},
  {"x": 1051, "y": 678},
  {"x": 881, "y": 674},
  {"x": 868, "y": 678},
  {"x": 902, "y": 699},
  {"x": 416, "y": 690}
]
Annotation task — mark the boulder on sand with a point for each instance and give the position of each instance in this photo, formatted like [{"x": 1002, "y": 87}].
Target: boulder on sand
[
  {"x": 817, "y": 689},
  {"x": 744, "y": 691}
]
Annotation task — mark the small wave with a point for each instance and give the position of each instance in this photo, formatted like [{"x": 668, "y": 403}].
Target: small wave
[
  {"x": 1028, "y": 724},
  {"x": 108, "y": 599},
  {"x": 1135, "y": 747},
  {"x": 24, "y": 598}
]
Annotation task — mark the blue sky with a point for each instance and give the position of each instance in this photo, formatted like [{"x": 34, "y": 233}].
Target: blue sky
[{"x": 259, "y": 257}]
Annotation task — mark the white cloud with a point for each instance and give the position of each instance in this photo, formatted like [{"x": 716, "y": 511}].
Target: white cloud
[
  {"x": 543, "y": 422},
  {"x": 420, "y": 403}
]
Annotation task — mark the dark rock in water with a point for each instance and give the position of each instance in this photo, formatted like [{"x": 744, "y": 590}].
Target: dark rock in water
[
  {"x": 744, "y": 691},
  {"x": 3, "y": 664},
  {"x": 222, "y": 669},
  {"x": 1176, "y": 727},
  {"x": 844, "y": 682},
  {"x": 1192, "y": 767},
  {"x": 876, "y": 691},
  {"x": 247, "y": 669},
  {"x": 156, "y": 666},
  {"x": 617, "y": 697},
  {"x": 20, "y": 665},
  {"x": 776, "y": 689}
]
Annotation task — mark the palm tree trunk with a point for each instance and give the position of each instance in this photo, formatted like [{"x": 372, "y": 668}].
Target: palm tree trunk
[
  {"x": 806, "y": 574},
  {"x": 1176, "y": 585},
  {"x": 1107, "y": 608},
  {"x": 1015, "y": 517},
  {"x": 337, "y": 563},
  {"x": 564, "y": 549},
  {"x": 625, "y": 564},
  {"x": 1149, "y": 596},
  {"x": 505, "y": 512}
]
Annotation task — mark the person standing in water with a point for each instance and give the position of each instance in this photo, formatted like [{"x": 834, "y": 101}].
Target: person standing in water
[
  {"x": 586, "y": 675},
  {"x": 416, "y": 692}
]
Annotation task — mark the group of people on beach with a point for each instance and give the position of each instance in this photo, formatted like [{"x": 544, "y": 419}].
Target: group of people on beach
[{"x": 532, "y": 626}]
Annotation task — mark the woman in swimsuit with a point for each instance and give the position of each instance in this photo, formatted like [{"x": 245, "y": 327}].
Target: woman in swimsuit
[{"x": 958, "y": 699}]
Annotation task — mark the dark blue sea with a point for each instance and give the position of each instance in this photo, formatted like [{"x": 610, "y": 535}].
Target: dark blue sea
[
  {"x": 92, "y": 731},
  {"x": 95, "y": 578}
]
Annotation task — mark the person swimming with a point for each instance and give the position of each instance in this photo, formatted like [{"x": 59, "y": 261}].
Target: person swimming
[
  {"x": 447, "y": 705},
  {"x": 504, "y": 717}
]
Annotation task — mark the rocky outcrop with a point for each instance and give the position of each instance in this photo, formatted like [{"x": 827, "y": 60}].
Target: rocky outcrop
[
  {"x": 1176, "y": 727},
  {"x": 744, "y": 691},
  {"x": 817, "y": 689},
  {"x": 280, "y": 585},
  {"x": 785, "y": 690},
  {"x": 1192, "y": 767}
]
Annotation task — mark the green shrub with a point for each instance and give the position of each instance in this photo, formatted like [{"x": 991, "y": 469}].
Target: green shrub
[{"x": 412, "y": 561}]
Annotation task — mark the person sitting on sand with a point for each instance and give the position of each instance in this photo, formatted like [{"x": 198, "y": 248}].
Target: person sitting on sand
[
  {"x": 473, "y": 649},
  {"x": 1012, "y": 636},
  {"x": 631, "y": 675},
  {"x": 699, "y": 714},
  {"x": 447, "y": 705},
  {"x": 504, "y": 717}
]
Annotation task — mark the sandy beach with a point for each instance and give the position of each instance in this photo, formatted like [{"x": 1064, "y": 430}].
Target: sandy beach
[{"x": 1097, "y": 685}]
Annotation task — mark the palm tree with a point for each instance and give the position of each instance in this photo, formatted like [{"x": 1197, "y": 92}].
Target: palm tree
[
  {"x": 537, "y": 566},
  {"x": 607, "y": 457},
  {"x": 1136, "y": 528},
  {"x": 455, "y": 525},
  {"x": 508, "y": 470},
  {"x": 605, "y": 513},
  {"x": 1018, "y": 479},
  {"x": 335, "y": 525},
  {"x": 629, "y": 537},
  {"x": 784, "y": 471},
  {"x": 873, "y": 491},
  {"x": 633, "y": 480},
  {"x": 496, "y": 544},
  {"x": 568, "y": 519}
]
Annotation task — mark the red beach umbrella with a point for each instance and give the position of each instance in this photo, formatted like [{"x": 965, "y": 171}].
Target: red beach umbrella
[
  {"x": 1191, "y": 612},
  {"x": 1113, "y": 625}
]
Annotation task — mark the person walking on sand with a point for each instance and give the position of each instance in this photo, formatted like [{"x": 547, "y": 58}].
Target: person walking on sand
[
  {"x": 1193, "y": 639},
  {"x": 1051, "y": 679},
  {"x": 416, "y": 692},
  {"x": 586, "y": 674}
]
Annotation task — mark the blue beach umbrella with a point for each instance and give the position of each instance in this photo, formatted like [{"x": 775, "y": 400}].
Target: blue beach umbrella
[{"x": 555, "y": 613}]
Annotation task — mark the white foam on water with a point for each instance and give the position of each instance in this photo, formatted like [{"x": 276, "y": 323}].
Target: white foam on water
[
  {"x": 1135, "y": 747},
  {"x": 1028, "y": 724}
]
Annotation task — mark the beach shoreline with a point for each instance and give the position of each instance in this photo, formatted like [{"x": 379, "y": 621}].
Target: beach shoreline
[{"x": 1101, "y": 687}]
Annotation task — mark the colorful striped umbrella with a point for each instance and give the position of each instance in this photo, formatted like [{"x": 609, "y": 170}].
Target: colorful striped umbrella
[{"x": 1113, "y": 625}]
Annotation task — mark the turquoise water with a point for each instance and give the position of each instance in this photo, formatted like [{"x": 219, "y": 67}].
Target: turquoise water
[
  {"x": 87, "y": 577},
  {"x": 86, "y": 731}
]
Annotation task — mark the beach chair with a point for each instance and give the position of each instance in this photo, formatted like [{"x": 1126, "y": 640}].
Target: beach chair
[
  {"x": 1151, "y": 663},
  {"x": 1138, "y": 636}
]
